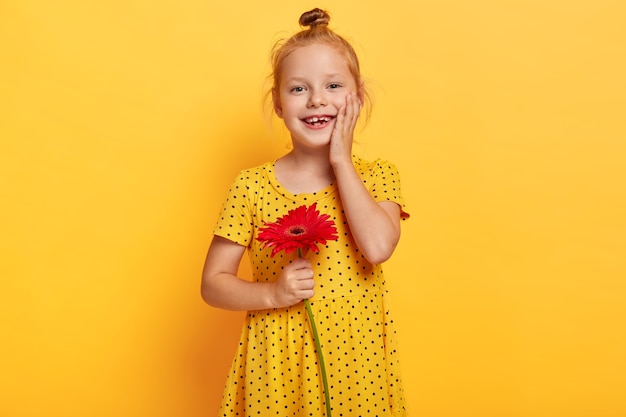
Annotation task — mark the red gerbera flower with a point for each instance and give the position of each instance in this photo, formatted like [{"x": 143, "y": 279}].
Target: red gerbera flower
[{"x": 301, "y": 228}]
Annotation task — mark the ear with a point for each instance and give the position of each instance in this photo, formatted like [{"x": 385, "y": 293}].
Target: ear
[{"x": 276, "y": 101}]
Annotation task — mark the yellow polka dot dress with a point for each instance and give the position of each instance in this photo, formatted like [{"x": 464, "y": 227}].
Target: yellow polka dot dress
[{"x": 275, "y": 371}]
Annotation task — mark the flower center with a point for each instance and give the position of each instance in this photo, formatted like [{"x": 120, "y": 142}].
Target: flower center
[{"x": 296, "y": 230}]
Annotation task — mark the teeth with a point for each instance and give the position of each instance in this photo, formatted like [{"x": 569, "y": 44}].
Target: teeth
[{"x": 318, "y": 119}]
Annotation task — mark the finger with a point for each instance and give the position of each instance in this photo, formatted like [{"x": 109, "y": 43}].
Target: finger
[
  {"x": 348, "y": 106},
  {"x": 341, "y": 115},
  {"x": 301, "y": 263},
  {"x": 299, "y": 273},
  {"x": 306, "y": 275},
  {"x": 358, "y": 105},
  {"x": 296, "y": 286},
  {"x": 306, "y": 294},
  {"x": 355, "y": 107},
  {"x": 306, "y": 285},
  {"x": 351, "y": 113}
]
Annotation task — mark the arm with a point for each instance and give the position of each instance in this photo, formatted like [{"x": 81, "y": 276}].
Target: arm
[
  {"x": 221, "y": 287},
  {"x": 375, "y": 226}
]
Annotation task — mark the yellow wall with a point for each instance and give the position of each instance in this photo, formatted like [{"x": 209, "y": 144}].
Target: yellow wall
[{"x": 123, "y": 122}]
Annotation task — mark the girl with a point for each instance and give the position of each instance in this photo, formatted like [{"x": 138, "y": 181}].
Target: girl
[{"x": 318, "y": 92}]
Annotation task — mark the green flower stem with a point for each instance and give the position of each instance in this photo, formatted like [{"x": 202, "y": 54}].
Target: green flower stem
[{"x": 318, "y": 347}]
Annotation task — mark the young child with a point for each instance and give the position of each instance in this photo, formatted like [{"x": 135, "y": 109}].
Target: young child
[{"x": 318, "y": 92}]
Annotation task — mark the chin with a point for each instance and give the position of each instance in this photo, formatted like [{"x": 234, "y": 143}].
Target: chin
[
  {"x": 321, "y": 142},
  {"x": 318, "y": 140}
]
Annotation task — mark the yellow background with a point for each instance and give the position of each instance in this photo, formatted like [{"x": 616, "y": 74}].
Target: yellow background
[{"x": 122, "y": 124}]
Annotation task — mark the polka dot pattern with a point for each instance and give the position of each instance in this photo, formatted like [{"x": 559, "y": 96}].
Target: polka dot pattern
[{"x": 275, "y": 370}]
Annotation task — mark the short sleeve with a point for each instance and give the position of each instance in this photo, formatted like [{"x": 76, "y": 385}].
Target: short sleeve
[
  {"x": 235, "y": 220},
  {"x": 385, "y": 185}
]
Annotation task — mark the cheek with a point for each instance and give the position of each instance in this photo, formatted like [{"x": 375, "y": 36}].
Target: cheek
[
  {"x": 339, "y": 100},
  {"x": 291, "y": 112}
]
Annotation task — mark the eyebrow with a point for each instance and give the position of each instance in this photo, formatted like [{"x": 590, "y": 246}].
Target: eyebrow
[{"x": 334, "y": 75}]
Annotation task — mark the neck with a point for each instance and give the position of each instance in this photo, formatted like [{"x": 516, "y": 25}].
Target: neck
[
  {"x": 304, "y": 172},
  {"x": 315, "y": 162}
]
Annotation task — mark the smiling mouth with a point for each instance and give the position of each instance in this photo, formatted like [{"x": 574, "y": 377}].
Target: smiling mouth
[{"x": 317, "y": 120}]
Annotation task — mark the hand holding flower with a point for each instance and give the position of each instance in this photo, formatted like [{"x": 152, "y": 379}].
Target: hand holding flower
[{"x": 294, "y": 284}]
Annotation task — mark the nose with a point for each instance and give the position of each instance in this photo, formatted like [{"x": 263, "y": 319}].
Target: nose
[{"x": 317, "y": 99}]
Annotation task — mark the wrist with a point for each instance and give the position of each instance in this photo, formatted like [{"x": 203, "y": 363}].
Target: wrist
[
  {"x": 341, "y": 162},
  {"x": 269, "y": 295},
  {"x": 343, "y": 167}
]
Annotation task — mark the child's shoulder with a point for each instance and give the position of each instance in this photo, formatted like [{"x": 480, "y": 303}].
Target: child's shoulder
[
  {"x": 250, "y": 182},
  {"x": 373, "y": 167},
  {"x": 256, "y": 171}
]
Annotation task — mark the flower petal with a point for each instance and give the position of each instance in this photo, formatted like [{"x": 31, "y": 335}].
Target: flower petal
[{"x": 313, "y": 229}]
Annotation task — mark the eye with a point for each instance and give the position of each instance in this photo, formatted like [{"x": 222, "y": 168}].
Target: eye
[
  {"x": 332, "y": 86},
  {"x": 296, "y": 89}
]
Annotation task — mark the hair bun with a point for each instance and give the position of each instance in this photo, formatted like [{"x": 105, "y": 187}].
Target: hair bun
[{"x": 314, "y": 18}]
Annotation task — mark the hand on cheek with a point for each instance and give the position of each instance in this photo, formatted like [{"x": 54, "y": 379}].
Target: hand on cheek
[{"x": 343, "y": 132}]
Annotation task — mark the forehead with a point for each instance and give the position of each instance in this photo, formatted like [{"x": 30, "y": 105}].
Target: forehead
[{"x": 315, "y": 60}]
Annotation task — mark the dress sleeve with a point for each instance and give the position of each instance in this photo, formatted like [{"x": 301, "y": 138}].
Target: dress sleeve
[
  {"x": 235, "y": 220},
  {"x": 385, "y": 185}
]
